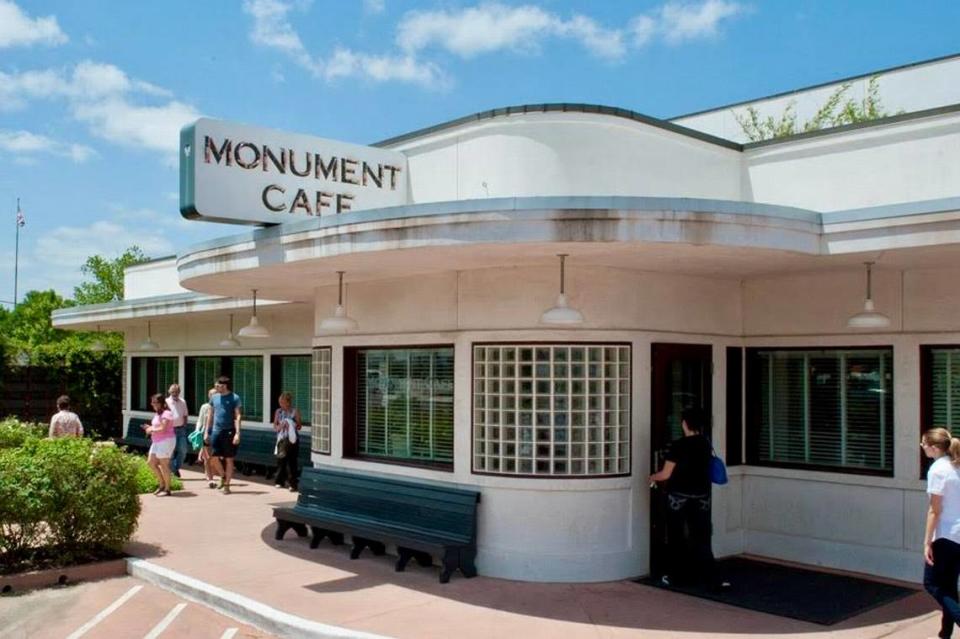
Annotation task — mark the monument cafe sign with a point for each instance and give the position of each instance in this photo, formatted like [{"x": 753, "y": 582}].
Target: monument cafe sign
[{"x": 249, "y": 175}]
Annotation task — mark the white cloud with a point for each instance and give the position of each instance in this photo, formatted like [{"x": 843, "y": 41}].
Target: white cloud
[
  {"x": 688, "y": 21},
  {"x": 482, "y": 29},
  {"x": 24, "y": 146},
  {"x": 272, "y": 29},
  {"x": 18, "y": 29},
  {"x": 115, "y": 107},
  {"x": 493, "y": 27},
  {"x": 70, "y": 246},
  {"x": 374, "y": 7}
]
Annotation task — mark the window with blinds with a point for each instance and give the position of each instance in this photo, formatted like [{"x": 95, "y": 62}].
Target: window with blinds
[
  {"x": 151, "y": 375},
  {"x": 292, "y": 373},
  {"x": 201, "y": 374},
  {"x": 830, "y": 409},
  {"x": 245, "y": 373},
  {"x": 322, "y": 363},
  {"x": 404, "y": 404},
  {"x": 942, "y": 382},
  {"x": 247, "y": 376}
]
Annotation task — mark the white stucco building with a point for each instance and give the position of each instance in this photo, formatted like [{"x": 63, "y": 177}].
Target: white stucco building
[{"x": 708, "y": 272}]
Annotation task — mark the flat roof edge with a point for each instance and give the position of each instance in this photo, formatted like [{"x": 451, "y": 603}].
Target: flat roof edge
[{"x": 821, "y": 85}]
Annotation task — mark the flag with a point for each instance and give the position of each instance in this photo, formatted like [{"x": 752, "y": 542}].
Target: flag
[{"x": 20, "y": 219}]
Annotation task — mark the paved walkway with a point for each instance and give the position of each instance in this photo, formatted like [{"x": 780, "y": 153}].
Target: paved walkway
[
  {"x": 227, "y": 541},
  {"x": 114, "y": 609}
]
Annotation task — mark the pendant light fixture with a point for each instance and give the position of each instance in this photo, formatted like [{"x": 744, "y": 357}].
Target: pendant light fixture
[
  {"x": 98, "y": 346},
  {"x": 561, "y": 313},
  {"x": 340, "y": 322},
  {"x": 868, "y": 317},
  {"x": 148, "y": 344},
  {"x": 229, "y": 341},
  {"x": 253, "y": 329}
]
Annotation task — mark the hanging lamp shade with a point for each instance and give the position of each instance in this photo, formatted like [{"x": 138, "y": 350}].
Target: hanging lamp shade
[
  {"x": 561, "y": 313},
  {"x": 98, "y": 346},
  {"x": 148, "y": 344},
  {"x": 229, "y": 341},
  {"x": 339, "y": 322},
  {"x": 254, "y": 329},
  {"x": 869, "y": 317}
]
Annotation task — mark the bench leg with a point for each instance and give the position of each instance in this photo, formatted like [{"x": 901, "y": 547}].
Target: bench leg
[
  {"x": 404, "y": 555},
  {"x": 467, "y": 562},
  {"x": 451, "y": 561},
  {"x": 319, "y": 533},
  {"x": 283, "y": 526},
  {"x": 359, "y": 543}
]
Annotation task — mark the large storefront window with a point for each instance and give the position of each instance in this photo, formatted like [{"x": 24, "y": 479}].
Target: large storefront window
[
  {"x": 322, "y": 362},
  {"x": 829, "y": 409},
  {"x": 551, "y": 409},
  {"x": 939, "y": 391},
  {"x": 245, "y": 371},
  {"x": 151, "y": 375},
  {"x": 292, "y": 374},
  {"x": 399, "y": 405}
]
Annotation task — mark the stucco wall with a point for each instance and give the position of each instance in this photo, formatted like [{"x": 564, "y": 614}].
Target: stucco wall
[{"x": 567, "y": 154}]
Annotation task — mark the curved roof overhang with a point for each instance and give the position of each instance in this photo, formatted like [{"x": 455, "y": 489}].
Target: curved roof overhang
[{"x": 290, "y": 260}]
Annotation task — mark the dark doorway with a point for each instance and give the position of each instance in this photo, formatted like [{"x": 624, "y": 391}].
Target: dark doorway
[{"x": 680, "y": 379}]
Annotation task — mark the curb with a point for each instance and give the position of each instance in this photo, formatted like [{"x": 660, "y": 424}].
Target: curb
[{"x": 239, "y": 607}]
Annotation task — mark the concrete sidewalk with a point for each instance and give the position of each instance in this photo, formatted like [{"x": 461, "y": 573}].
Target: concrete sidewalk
[{"x": 227, "y": 541}]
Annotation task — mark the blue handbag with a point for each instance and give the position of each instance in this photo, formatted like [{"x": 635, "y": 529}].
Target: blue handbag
[{"x": 718, "y": 470}]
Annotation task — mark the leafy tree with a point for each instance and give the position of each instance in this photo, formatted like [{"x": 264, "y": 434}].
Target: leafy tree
[
  {"x": 63, "y": 359},
  {"x": 832, "y": 113},
  {"x": 107, "y": 284}
]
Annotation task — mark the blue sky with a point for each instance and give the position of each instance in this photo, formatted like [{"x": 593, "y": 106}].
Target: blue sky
[{"x": 92, "y": 94}]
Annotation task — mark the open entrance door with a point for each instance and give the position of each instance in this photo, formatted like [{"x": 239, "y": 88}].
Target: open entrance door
[{"x": 681, "y": 379}]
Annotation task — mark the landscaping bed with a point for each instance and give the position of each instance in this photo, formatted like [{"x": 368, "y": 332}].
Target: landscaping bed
[{"x": 66, "y": 507}]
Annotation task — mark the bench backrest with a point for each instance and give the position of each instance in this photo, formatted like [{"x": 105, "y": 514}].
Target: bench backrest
[{"x": 436, "y": 509}]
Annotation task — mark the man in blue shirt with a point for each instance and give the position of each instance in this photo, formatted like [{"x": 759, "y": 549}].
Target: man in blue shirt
[{"x": 223, "y": 429}]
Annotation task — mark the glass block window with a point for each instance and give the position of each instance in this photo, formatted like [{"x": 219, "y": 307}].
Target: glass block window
[
  {"x": 292, "y": 373},
  {"x": 151, "y": 375},
  {"x": 551, "y": 409},
  {"x": 829, "y": 409},
  {"x": 404, "y": 405},
  {"x": 322, "y": 362}
]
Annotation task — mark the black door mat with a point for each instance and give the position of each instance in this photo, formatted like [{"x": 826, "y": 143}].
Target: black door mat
[{"x": 808, "y": 595}]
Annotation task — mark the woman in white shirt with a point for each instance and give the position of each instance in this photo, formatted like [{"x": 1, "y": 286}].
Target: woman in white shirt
[{"x": 941, "y": 547}]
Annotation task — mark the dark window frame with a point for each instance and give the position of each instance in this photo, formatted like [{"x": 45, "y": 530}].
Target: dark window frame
[
  {"x": 225, "y": 368},
  {"x": 135, "y": 378},
  {"x": 926, "y": 397},
  {"x": 276, "y": 386},
  {"x": 350, "y": 429},
  {"x": 754, "y": 417}
]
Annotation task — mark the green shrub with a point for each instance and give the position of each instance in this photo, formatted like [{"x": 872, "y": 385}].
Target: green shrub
[
  {"x": 147, "y": 481},
  {"x": 68, "y": 495},
  {"x": 13, "y": 432}
]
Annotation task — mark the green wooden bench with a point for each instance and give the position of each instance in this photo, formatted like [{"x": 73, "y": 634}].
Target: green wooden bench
[
  {"x": 135, "y": 437},
  {"x": 422, "y": 519},
  {"x": 257, "y": 446}
]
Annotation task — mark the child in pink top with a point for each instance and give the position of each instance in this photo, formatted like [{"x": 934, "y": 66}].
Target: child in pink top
[{"x": 164, "y": 441}]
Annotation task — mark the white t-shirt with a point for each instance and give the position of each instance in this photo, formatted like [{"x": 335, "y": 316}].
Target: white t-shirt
[{"x": 943, "y": 479}]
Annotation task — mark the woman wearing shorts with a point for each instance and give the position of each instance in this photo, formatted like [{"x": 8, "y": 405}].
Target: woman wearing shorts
[{"x": 163, "y": 442}]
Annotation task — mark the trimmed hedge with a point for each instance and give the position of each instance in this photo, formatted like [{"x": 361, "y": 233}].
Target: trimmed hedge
[{"x": 64, "y": 500}]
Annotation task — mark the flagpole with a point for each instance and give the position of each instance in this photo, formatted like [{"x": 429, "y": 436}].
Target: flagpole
[{"x": 16, "y": 256}]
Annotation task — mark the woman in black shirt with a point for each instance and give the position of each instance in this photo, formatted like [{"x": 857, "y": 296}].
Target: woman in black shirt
[{"x": 687, "y": 473}]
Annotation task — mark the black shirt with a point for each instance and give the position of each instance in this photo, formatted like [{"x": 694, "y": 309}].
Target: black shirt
[{"x": 692, "y": 458}]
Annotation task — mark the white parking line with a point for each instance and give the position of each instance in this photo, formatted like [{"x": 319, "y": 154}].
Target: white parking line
[
  {"x": 166, "y": 621},
  {"x": 229, "y": 632},
  {"x": 85, "y": 628}
]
